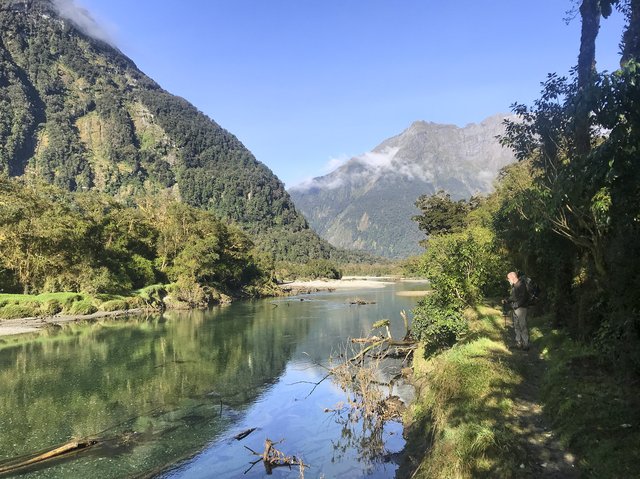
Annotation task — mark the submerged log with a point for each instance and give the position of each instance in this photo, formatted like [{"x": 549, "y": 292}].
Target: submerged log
[
  {"x": 67, "y": 448},
  {"x": 244, "y": 434}
]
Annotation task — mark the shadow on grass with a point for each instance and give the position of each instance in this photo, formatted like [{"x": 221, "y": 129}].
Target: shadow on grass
[
  {"x": 593, "y": 405},
  {"x": 478, "y": 413}
]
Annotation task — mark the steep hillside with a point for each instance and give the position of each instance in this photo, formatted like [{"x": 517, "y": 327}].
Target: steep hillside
[
  {"x": 78, "y": 113},
  {"x": 368, "y": 202}
]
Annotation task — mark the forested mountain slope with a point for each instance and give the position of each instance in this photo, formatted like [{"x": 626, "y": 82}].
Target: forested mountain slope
[
  {"x": 368, "y": 202},
  {"x": 79, "y": 114}
]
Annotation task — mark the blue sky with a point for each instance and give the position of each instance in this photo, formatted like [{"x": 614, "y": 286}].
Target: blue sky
[{"x": 306, "y": 84}]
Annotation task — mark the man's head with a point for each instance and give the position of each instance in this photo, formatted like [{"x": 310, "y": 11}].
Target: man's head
[{"x": 512, "y": 277}]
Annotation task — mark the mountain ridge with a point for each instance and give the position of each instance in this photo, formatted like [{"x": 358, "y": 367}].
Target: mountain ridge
[
  {"x": 78, "y": 113},
  {"x": 352, "y": 204}
]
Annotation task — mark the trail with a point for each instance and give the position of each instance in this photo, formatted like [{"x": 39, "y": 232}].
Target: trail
[{"x": 543, "y": 455}]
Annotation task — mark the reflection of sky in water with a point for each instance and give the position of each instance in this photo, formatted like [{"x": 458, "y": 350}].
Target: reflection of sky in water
[
  {"x": 190, "y": 381},
  {"x": 287, "y": 412}
]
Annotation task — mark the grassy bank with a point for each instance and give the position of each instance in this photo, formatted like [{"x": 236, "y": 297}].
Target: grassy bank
[
  {"x": 75, "y": 304},
  {"x": 477, "y": 404},
  {"x": 592, "y": 405}
]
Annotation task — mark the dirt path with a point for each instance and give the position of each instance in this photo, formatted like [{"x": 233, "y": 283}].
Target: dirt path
[{"x": 544, "y": 456}]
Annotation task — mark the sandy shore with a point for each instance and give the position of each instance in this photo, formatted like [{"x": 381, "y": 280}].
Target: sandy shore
[
  {"x": 10, "y": 327},
  {"x": 333, "y": 284}
]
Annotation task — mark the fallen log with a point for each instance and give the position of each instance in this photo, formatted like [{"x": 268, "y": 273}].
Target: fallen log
[
  {"x": 244, "y": 434},
  {"x": 67, "y": 448}
]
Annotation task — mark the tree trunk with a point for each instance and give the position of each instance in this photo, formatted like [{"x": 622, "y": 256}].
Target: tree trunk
[{"x": 590, "y": 14}]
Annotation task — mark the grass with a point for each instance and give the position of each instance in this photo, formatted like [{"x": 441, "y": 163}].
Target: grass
[
  {"x": 464, "y": 397},
  {"x": 593, "y": 405},
  {"x": 50, "y": 304},
  {"x": 463, "y": 423}
]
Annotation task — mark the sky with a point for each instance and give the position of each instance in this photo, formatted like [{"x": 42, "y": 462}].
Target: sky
[{"x": 308, "y": 84}]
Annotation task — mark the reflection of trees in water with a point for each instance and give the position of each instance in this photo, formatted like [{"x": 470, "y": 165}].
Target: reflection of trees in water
[
  {"x": 194, "y": 370},
  {"x": 361, "y": 434}
]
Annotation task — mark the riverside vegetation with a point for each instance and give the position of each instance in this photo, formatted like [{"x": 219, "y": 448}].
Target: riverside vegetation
[{"x": 568, "y": 214}]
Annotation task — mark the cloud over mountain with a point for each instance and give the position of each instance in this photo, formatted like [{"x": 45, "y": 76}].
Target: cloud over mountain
[{"x": 81, "y": 17}]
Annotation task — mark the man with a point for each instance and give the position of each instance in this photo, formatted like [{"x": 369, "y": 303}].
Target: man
[{"x": 518, "y": 301}]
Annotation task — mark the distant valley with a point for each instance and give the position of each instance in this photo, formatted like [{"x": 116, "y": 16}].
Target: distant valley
[{"x": 367, "y": 203}]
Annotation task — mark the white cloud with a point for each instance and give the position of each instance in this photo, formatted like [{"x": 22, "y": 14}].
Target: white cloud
[
  {"x": 379, "y": 160},
  {"x": 81, "y": 17},
  {"x": 335, "y": 163}
]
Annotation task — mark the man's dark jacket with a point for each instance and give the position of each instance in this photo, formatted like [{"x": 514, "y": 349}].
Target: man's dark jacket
[{"x": 519, "y": 296}]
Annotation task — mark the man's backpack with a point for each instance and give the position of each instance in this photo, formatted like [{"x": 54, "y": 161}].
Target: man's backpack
[{"x": 533, "y": 290}]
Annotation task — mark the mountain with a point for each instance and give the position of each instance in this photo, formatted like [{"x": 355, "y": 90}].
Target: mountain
[
  {"x": 367, "y": 203},
  {"x": 78, "y": 113}
]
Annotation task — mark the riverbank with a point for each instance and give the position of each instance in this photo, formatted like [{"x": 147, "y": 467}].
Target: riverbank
[
  {"x": 484, "y": 409},
  {"x": 10, "y": 327},
  {"x": 347, "y": 282}
]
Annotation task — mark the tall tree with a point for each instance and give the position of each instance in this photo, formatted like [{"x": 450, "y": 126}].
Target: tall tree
[{"x": 590, "y": 13}]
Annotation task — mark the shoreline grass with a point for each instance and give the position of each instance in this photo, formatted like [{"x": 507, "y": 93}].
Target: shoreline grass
[{"x": 463, "y": 423}]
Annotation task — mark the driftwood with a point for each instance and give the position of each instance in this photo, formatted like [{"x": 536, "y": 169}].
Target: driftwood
[
  {"x": 244, "y": 434},
  {"x": 273, "y": 458},
  {"x": 360, "y": 301},
  {"x": 67, "y": 448}
]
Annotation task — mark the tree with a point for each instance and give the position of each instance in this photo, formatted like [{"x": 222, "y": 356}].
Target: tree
[{"x": 440, "y": 214}]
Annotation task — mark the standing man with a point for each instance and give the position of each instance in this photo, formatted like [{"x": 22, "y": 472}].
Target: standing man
[{"x": 518, "y": 301}]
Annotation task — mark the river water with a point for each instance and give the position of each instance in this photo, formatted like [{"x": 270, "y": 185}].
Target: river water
[{"x": 166, "y": 394}]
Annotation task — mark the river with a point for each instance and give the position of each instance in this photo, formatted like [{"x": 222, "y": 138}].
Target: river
[{"x": 166, "y": 394}]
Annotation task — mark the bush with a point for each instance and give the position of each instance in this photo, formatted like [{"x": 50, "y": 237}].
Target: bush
[
  {"x": 70, "y": 301},
  {"x": 438, "y": 327},
  {"x": 82, "y": 307},
  {"x": 152, "y": 295},
  {"x": 141, "y": 271},
  {"x": 190, "y": 293},
  {"x": 51, "y": 307},
  {"x": 114, "y": 305},
  {"x": 24, "y": 310}
]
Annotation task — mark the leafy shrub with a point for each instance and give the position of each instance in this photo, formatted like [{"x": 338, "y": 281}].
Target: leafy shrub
[
  {"x": 322, "y": 268},
  {"x": 23, "y": 310},
  {"x": 104, "y": 280},
  {"x": 82, "y": 307},
  {"x": 189, "y": 293},
  {"x": 152, "y": 295},
  {"x": 51, "y": 307},
  {"x": 70, "y": 301},
  {"x": 439, "y": 327},
  {"x": 141, "y": 271},
  {"x": 114, "y": 305}
]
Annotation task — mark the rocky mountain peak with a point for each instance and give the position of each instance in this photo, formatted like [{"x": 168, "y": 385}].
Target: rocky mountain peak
[{"x": 385, "y": 182}]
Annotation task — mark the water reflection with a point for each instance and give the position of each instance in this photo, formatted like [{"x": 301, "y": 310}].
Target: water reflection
[{"x": 157, "y": 390}]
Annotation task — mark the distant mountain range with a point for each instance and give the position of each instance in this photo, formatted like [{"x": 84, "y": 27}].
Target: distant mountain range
[
  {"x": 77, "y": 113},
  {"x": 367, "y": 203}
]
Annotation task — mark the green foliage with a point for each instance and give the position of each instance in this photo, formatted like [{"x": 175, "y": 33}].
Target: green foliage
[
  {"x": 437, "y": 325},
  {"x": 51, "y": 307},
  {"x": 20, "y": 310},
  {"x": 82, "y": 307},
  {"x": 114, "y": 305},
  {"x": 53, "y": 240},
  {"x": 440, "y": 214},
  {"x": 464, "y": 266},
  {"x": 314, "y": 269},
  {"x": 570, "y": 223}
]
